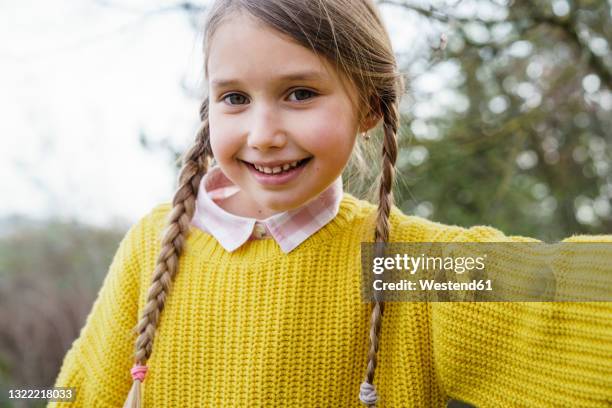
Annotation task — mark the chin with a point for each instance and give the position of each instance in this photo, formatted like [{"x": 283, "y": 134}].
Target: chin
[{"x": 280, "y": 205}]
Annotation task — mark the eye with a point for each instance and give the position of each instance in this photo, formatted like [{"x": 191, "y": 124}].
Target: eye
[
  {"x": 300, "y": 93},
  {"x": 237, "y": 98}
]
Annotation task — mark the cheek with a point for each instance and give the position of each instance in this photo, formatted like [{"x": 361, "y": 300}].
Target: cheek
[
  {"x": 223, "y": 140},
  {"x": 330, "y": 137}
]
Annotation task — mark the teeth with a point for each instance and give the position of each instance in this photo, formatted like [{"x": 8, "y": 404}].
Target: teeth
[{"x": 277, "y": 169}]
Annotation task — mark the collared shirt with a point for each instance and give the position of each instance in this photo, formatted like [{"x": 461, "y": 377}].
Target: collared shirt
[{"x": 288, "y": 228}]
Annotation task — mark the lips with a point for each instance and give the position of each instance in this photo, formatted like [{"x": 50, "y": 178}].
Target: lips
[
  {"x": 278, "y": 166},
  {"x": 279, "y": 179}
]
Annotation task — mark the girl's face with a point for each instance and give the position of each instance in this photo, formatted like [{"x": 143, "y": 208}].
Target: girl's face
[{"x": 274, "y": 102}]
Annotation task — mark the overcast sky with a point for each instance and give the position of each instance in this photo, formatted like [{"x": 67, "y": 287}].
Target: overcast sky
[{"x": 79, "y": 81}]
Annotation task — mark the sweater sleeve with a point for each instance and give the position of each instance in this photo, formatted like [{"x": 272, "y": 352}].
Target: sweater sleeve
[
  {"x": 523, "y": 354},
  {"x": 98, "y": 362}
]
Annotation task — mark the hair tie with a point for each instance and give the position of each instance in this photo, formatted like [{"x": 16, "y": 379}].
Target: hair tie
[
  {"x": 139, "y": 372},
  {"x": 367, "y": 393}
]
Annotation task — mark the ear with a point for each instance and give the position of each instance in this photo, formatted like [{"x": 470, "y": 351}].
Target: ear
[
  {"x": 371, "y": 117},
  {"x": 370, "y": 121}
]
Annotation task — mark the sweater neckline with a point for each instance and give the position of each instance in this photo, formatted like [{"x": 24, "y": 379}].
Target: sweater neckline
[{"x": 198, "y": 241}]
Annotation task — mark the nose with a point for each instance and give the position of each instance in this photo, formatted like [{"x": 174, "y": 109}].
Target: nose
[{"x": 266, "y": 130}]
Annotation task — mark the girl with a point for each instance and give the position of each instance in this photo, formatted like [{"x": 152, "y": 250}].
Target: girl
[{"x": 245, "y": 290}]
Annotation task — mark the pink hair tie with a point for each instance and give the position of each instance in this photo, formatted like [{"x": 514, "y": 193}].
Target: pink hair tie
[{"x": 139, "y": 372}]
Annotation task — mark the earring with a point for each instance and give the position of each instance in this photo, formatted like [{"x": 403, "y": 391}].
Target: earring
[{"x": 366, "y": 136}]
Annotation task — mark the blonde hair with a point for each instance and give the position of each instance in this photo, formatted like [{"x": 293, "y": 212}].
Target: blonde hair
[{"x": 348, "y": 33}]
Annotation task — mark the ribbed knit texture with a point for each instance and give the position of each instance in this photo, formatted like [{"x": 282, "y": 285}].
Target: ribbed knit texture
[{"x": 258, "y": 327}]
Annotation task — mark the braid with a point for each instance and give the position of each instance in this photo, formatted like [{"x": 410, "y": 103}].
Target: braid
[
  {"x": 389, "y": 152},
  {"x": 194, "y": 166}
]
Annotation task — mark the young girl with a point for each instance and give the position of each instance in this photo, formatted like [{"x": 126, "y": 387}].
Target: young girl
[{"x": 245, "y": 290}]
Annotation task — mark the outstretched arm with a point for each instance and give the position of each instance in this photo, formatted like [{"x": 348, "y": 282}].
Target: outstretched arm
[{"x": 530, "y": 354}]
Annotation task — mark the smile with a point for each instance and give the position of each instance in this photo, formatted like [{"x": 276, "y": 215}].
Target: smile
[
  {"x": 279, "y": 168},
  {"x": 279, "y": 174}
]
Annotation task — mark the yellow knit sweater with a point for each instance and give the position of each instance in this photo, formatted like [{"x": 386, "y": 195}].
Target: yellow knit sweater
[{"x": 257, "y": 328}]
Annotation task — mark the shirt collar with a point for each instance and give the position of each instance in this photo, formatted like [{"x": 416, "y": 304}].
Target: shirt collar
[{"x": 289, "y": 228}]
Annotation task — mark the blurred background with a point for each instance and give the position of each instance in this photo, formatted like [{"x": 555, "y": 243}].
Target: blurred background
[{"x": 507, "y": 122}]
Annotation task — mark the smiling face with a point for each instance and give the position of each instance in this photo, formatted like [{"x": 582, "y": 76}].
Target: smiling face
[{"x": 273, "y": 102}]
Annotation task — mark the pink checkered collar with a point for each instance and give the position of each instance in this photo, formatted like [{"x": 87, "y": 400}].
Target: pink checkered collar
[{"x": 288, "y": 228}]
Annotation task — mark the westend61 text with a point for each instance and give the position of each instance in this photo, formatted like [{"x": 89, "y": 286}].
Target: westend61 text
[{"x": 429, "y": 284}]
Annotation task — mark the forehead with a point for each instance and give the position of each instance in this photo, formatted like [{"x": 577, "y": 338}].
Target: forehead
[{"x": 245, "y": 49}]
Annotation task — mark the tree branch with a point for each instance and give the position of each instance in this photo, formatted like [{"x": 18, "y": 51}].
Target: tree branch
[
  {"x": 439, "y": 15},
  {"x": 569, "y": 28}
]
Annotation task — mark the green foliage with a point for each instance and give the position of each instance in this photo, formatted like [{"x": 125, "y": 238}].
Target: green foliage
[{"x": 526, "y": 146}]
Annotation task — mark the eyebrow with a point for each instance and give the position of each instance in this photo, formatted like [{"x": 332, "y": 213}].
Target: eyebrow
[{"x": 304, "y": 76}]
